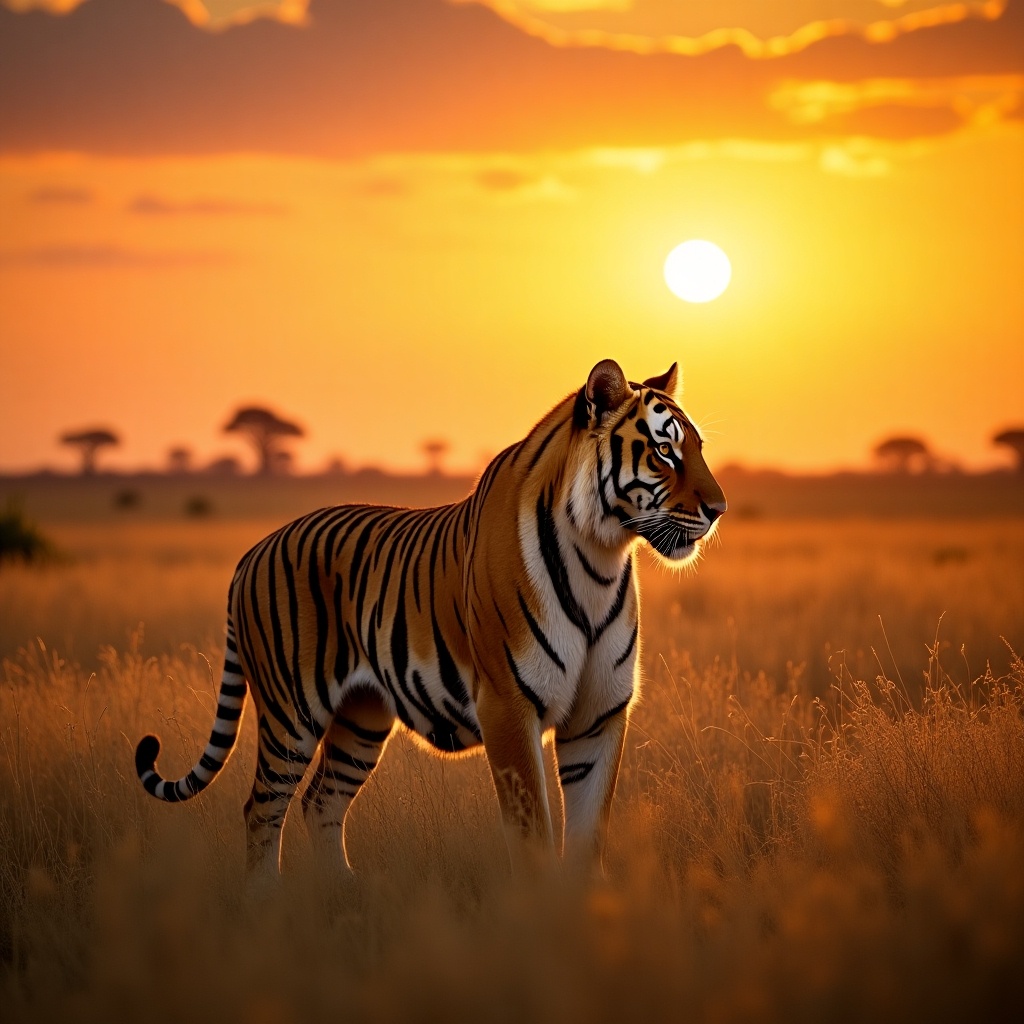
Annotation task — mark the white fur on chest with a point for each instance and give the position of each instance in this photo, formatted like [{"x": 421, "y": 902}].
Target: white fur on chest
[{"x": 585, "y": 655}]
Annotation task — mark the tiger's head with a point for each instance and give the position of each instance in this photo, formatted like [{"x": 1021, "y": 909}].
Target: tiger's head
[{"x": 644, "y": 459}]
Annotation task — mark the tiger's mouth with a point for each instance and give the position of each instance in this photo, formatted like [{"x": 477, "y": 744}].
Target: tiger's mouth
[{"x": 671, "y": 539}]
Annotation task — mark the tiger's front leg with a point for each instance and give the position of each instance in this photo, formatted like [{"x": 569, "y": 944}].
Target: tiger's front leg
[
  {"x": 588, "y": 749},
  {"x": 513, "y": 741}
]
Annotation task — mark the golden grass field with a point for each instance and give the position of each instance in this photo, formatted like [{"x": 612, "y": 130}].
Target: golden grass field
[{"x": 820, "y": 814}]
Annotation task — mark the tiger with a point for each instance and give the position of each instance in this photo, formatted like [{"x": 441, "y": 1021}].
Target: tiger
[{"x": 491, "y": 621}]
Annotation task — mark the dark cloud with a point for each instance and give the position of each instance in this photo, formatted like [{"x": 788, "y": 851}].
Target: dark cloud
[
  {"x": 106, "y": 257},
  {"x": 150, "y": 205},
  {"x": 372, "y": 76},
  {"x": 61, "y": 194}
]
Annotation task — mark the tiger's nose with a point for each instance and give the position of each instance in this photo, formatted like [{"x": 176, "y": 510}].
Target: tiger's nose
[{"x": 713, "y": 510}]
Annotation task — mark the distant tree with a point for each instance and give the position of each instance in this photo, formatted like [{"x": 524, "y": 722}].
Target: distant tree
[
  {"x": 1014, "y": 440},
  {"x": 179, "y": 459},
  {"x": 904, "y": 455},
  {"x": 282, "y": 463},
  {"x": 435, "y": 450},
  {"x": 226, "y": 465},
  {"x": 265, "y": 431},
  {"x": 88, "y": 443},
  {"x": 335, "y": 466}
]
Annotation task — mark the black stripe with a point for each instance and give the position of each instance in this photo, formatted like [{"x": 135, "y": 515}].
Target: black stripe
[
  {"x": 341, "y": 652},
  {"x": 301, "y": 700},
  {"x": 342, "y": 777},
  {"x": 336, "y": 753},
  {"x": 369, "y": 735},
  {"x": 228, "y": 714},
  {"x": 458, "y": 618},
  {"x": 171, "y": 794},
  {"x": 354, "y": 517},
  {"x": 547, "y": 440},
  {"x": 607, "y": 509},
  {"x": 526, "y": 691},
  {"x": 317, "y": 580},
  {"x": 459, "y": 718},
  {"x": 547, "y": 535},
  {"x": 265, "y": 681},
  {"x": 597, "y": 724},
  {"x": 538, "y": 632},
  {"x": 269, "y": 775},
  {"x": 491, "y": 472},
  {"x": 450, "y": 678},
  {"x": 270, "y": 742},
  {"x": 501, "y": 618},
  {"x": 605, "y": 581},
  {"x": 570, "y": 773},
  {"x": 629, "y": 647},
  {"x": 620, "y": 599},
  {"x": 357, "y": 553}
]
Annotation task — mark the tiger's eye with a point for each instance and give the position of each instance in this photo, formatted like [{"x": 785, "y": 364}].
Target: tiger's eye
[{"x": 665, "y": 449}]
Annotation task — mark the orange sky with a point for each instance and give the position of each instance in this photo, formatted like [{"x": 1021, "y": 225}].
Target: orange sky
[{"x": 401, "y": 219}]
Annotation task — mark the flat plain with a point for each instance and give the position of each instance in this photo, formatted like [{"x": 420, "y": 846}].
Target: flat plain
[{"x": 820, "y": 813}]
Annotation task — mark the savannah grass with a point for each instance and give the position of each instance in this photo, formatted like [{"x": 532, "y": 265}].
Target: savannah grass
[{"x": 808, "y": 842}]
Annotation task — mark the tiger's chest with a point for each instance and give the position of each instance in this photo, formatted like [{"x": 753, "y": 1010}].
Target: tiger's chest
[{"x": 582, "y": 647}]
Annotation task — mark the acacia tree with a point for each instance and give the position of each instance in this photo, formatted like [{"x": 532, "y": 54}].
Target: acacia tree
[
  {"x": 1014, "y": 440},
  {"x": 265, "y": 431},
  {"x": 88, "y": 443},
  {"x": 435, "y": 450},
  {"x": 904, "y": 454},
  {"x": 179, "y": 459}
]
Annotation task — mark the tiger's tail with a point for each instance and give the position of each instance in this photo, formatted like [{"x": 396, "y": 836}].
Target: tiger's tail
[{"x": 230, "y": 702}]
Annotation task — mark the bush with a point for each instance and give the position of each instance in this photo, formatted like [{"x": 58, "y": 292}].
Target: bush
[{"x": 20, "y": 539}]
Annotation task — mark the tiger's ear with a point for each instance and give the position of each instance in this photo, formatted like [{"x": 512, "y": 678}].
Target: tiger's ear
[
  {"x": 667, "y": 382},
  {"x": 606, "y": 389}
]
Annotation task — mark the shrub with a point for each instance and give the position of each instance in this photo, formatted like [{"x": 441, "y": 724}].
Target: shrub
[{"x": 20, "y": 539}]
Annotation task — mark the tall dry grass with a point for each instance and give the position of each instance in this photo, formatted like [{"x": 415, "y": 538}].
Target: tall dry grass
[{"x": 784, "y": 847}]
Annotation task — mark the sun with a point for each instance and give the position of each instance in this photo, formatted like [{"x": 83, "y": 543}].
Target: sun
[{"x": 697, "y": 271}]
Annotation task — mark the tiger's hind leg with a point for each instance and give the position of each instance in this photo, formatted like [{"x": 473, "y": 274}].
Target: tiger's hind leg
[
  {"x": 350, "y": 751},
  {"x": 281, "y": 762}
]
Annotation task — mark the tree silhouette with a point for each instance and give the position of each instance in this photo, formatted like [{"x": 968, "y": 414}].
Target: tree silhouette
[
  {"x": 435, "y": 450},
  {"x": 88, "y": 443},
  {"x": 226, "y": 465},
  {"x": 179, "y": 459},
  {"x": 265, "y": 431},
  {"x": 904, "y": 454},
  {"x": 1014, "y": 440}
]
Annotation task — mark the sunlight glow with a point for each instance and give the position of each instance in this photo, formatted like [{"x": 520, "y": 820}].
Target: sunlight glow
[{"x": 697, "y": 271}]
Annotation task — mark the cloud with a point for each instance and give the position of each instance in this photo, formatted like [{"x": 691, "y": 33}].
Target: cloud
[
  {"x": 107, "y": 257},
  {"x": 760, "y": 29},
  {"x": 973, "y": 97},
  {"x": 503, "y": 179},
  {"x": 150, "y": 205},
  {"x": 61, "y": 195},
  {"x": 214, "y": 15},
  {"x": 365, "y": 77},
  {"x": 383, "y": 186}
]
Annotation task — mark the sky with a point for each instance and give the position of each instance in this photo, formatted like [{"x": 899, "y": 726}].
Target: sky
[{"x": 398, "y": 220}]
